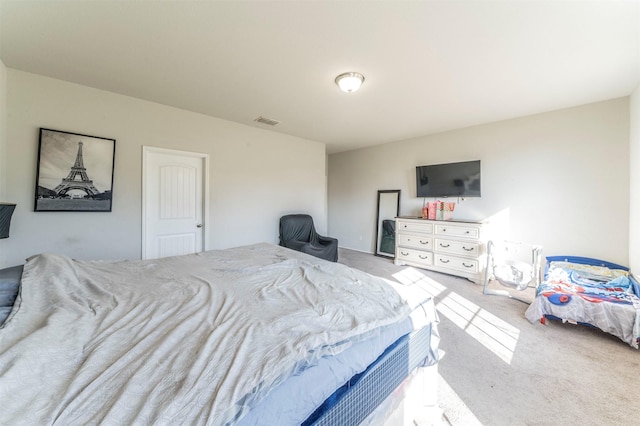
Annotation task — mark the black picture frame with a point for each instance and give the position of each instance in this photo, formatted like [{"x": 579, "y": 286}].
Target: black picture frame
[{"x": 74, "y": 172}]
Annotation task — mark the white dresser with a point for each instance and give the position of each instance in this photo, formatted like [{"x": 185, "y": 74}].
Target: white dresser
[{"x": 453, "y": 247}]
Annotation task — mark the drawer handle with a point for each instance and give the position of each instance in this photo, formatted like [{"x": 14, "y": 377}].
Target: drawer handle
[
  {"x": 444, "y": 260},
  {"x": 467, "y": 232},
  {"x": 423, "y": 257},
  {"x": 467, "y": 249},
  {"x": 404, "y": 254},
  {"x": 424, "y": 242},
  {"x": 444, "y": 245},
  {"x": 444, "y": 229},
  {"x": 466, "y": 265}
]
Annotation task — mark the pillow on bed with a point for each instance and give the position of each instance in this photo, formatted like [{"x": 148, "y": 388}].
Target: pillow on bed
[
  {"x": 588, "y": 275},
  {"x": 9, "y": 288}
]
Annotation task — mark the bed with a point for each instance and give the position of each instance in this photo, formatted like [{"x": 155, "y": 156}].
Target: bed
[
  {"x": 591, "y": 292},
  {"x": 255, "y": 335}
]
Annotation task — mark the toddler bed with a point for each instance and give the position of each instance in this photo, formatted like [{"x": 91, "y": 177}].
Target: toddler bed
[
  {"x": 255, "y": 335},
  {"x": 590, "y": 292}
]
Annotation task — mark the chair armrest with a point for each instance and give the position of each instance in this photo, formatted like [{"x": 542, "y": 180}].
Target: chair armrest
[
  {"x": 295, "y": 244},
  {"x": 327, "y": 240}
]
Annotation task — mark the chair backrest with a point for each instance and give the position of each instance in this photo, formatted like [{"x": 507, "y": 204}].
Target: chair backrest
[{"x": 297, "y": 227}]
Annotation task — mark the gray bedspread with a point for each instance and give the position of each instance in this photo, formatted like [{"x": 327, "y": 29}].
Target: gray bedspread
[{"x": 191, "y": 339}]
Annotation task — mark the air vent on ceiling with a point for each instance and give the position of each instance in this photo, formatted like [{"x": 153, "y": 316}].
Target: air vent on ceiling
[{"x": 265, "y": 120}]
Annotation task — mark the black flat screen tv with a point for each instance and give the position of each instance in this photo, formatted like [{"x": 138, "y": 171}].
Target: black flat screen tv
[{"x": 449, "y": 180}]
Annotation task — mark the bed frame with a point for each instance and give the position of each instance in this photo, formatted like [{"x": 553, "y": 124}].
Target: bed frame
[
  {"x": 633, "y": 341},
  {"x": 359, "y": 397},
  {"x": 584, "y": 261}
]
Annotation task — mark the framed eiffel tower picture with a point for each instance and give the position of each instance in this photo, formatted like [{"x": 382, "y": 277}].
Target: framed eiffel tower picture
[{"x": 75, "y": 172}]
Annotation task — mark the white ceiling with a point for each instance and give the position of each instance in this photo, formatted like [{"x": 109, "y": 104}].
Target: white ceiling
[{"x": 430, "y": 66}]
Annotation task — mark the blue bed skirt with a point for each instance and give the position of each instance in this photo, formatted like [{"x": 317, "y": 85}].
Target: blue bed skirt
[{"x": 356, "y": 399}]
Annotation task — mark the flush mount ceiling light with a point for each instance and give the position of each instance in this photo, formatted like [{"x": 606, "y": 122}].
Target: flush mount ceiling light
[
  {"x": 266, "y": 120},
  {"x": 349, "y": 81}
]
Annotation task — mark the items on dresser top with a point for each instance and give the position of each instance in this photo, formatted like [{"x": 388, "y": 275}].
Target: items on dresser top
[{"x": 452, "y": 247}]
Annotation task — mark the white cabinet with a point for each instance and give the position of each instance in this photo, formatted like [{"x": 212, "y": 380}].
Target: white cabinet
[{"x": 453, "y": 247}]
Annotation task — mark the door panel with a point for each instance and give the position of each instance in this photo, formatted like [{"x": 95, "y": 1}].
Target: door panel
[
  {"x": 173, "y": 203},
  {"x": 173, "y": 245}
]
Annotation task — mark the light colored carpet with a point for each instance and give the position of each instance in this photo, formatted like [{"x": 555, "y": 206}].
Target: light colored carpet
[{"x": 499, "y": 369}]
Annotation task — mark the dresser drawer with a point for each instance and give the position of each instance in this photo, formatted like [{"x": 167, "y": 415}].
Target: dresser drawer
[
  {"x": 415, "y": 241},
  {"x": 452, "y": 262},
  {"x": 410, "y": 255},
  {"x": 419, "y": 227},
  {"x": 458, "y": 231},
  {"x": 464, "y": 248}
]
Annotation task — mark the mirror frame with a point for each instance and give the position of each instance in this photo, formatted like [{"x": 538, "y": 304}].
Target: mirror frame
[{"x": 379, "y": 220}]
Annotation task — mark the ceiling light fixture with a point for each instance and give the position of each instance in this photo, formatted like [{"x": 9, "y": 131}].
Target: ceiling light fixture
[
  {"x": 349, "y": 81},
  {"x": 266, "y": 120}
]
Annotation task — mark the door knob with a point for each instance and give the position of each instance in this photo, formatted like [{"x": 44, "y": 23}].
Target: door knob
[{"x": 199, "y": 225}]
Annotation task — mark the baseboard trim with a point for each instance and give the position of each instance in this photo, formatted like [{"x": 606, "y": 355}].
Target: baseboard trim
[{"x": 360, "y": 251}]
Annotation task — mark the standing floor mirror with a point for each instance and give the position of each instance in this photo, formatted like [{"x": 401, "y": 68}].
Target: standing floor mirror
[{"x": 388, "y": 209}]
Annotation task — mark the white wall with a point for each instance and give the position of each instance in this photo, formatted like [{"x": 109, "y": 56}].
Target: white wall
[
  {"x": 634, "y": 190},
  {"x": 3, "y": 130},
  {"x": 558, "y": 179},
  {"x": 256, "y": 175},
  {"x": 3, "y": 149}
]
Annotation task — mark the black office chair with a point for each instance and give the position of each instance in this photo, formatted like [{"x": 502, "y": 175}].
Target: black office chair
[{"x": 298, "y": 233}]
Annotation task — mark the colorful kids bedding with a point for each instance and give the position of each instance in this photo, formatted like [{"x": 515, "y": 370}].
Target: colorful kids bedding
[{"x": 589, "y": 291}]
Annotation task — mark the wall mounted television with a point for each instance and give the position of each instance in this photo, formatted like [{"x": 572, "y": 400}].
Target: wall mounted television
[{"x": 449, "y": 180}]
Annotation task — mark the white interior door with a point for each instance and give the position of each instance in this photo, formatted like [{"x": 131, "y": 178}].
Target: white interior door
[{"x": 174, "y": 202}]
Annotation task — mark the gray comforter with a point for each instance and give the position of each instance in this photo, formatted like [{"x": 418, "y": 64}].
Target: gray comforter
[{"x": 191, "y": 339}]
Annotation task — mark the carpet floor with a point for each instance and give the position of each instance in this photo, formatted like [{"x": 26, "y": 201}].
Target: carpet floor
[{"x": 497, "y": 368}]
